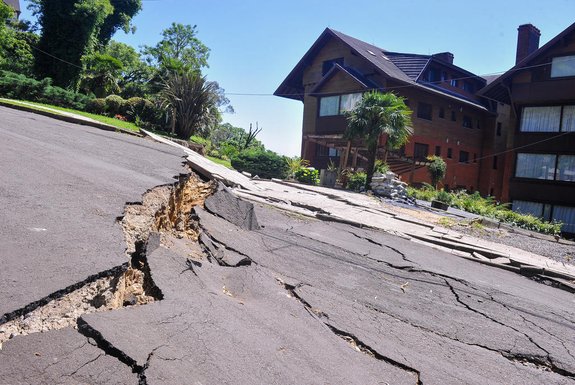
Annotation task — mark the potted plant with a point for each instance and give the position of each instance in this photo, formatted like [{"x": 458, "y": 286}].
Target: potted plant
[
  {"x": 442, "y": 200},
  {"x": 328, "y": 177}
]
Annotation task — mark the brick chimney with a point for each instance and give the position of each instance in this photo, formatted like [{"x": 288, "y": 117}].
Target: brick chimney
[
  {"x": 444, "y": 56},
  {"x": 527, "y": 41}
]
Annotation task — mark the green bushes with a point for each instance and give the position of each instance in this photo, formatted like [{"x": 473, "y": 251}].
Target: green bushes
[
  {"x": 356, "y": 181},
  {"x": 15, "y": 86},
  {"x": 307, "y": 175},
  {"x": 96, "y": 106},
  {"x": 115, "y": 105},
  {"x": 487, "y": 207},
  {"x": 265, "y": 164}
]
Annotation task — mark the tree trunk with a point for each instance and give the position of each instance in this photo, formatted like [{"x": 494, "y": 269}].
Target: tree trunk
[{"x": 371, "y": 155}]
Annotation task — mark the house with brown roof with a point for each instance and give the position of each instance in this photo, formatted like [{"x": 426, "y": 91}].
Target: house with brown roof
[
  {"x": 449, "y": 118},
  {"x": 539, "y": 170},
  {"x": 15, "y": 4}
]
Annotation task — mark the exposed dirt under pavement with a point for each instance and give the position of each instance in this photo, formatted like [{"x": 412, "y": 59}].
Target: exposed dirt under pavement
[{"x": 165, "y": 209}]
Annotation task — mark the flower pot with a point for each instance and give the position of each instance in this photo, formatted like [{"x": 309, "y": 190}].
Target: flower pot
[
  {"x": 328, "y": 178},
  {"x": 439, "y": 205}
]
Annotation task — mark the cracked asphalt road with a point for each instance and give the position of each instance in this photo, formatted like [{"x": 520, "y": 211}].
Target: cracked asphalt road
[
  {"x": 62, "y": 187},
  {"x": 271, "y": 297}
]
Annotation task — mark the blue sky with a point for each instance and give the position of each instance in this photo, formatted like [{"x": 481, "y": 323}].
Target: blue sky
[{"x": 255, "y": 44}]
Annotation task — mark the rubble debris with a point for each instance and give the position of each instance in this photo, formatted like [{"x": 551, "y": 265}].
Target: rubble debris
[{"x": 390, "y": 186}]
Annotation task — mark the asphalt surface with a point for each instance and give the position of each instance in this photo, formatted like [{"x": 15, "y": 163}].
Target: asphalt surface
[
  {"x": 271, "y": 297},
  {"x": 62, "y": 188}
]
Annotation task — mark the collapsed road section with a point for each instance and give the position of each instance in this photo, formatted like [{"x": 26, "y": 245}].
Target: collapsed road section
[{"x": 248, "y": 294}]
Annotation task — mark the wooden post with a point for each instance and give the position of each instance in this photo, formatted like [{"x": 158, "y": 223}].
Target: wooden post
[{"x": 345, "y": 157}]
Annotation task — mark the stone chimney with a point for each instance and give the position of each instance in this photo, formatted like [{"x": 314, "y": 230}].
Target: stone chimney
[
  {"x": 444, "y": 56},
  {"x": 527, "y": 41}
]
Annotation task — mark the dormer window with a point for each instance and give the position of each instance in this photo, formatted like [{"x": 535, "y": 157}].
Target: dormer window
[{"x": 563, "y": 66}]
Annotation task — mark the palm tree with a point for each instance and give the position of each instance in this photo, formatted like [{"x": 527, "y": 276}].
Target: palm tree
[
  {"x": 378, "y": 114},
  {"x": 192, "y": 101}
]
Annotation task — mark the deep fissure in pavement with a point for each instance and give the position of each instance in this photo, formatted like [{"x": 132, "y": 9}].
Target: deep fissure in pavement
[{"x": 165, "y": 208}]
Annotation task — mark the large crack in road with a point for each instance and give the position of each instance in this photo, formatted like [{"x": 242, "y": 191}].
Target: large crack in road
[{"x": 206, "y": 265}]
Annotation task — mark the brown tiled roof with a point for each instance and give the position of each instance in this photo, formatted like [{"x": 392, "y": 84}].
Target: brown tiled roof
[
  {"x": 403, "y": 67},
  {"x": 410, "y": 64}
]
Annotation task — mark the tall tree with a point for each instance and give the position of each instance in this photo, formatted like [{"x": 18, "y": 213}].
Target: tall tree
[
  {"x": 135, "y": 75},
  {"x": 379, "y": 114},
  {"x": 71, "y": 29},
  {"x": 179, "y": 50},
  {"x": 192, "y": 101},
  {"x": 124, "y": 11}
]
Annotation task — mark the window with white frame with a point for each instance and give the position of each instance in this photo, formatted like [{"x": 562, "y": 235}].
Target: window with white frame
[
  {"x": 535, "y": 166},
  {"x": 338, "y": 104},
  {"x": 563, "y": 66}
]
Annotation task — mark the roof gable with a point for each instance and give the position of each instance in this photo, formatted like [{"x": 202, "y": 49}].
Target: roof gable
[
  {"x": 493, "y": 89},
  {"x": 356, "y": 77}
]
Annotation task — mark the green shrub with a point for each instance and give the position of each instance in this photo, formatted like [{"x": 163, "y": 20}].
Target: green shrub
[
  {"x": 265, "y": 164},
  {"x": 139, "y": 108},
  {"x": 356, "y": 181},
  {"x": 380, "y": 167},
  {"x": 307, "y": 175},
  {"x": 437, "y": 169},
  {"x": 426, "y": 193},
  {"x": 115, "y": 105},
  {"x": 96, "y": 106},
  {"x": 20, "y": 87},
  {"x": 444, "y": 196}
]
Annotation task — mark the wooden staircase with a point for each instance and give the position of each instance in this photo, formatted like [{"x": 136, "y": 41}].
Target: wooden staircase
[{"x": 402, "y": 165}]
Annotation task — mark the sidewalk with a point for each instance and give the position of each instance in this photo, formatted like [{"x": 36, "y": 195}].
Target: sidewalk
[{"x": 366, "y": 211}]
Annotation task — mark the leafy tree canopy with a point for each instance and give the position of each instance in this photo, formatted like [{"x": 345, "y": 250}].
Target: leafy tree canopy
[
  {"x": 72, "y": 29},
  {"x": 179, "y": 50}
]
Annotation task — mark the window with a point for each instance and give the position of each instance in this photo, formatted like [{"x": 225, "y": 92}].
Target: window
[
  {"x": 442, "y": 113},
  {"x": 478, "y": 125},
  {"x": 568, "y": 122},
  {"x": 420, "y": 151},
  {"x": 463, "y": 157},
  {"x": 321, "y": 150},
  {"x": 525, "y": 207},
  {"x": 449, "y": 153},
  {"x": 467, "y": 121},
  {"x": 495, "y": 162},
  {"x": 566, "y": 168},
  {"x": 474, "y": 158},
  {"x": 329, "y": 106},
  {"x": 540, "y": 119},
  {"x": 349, "y": 101},
  {"x": 424, "y": 111},
  {"x": 433, "y": 75},
  {"x": 498, "y": 132},
  {"x": 563, "y": 66},
  {"x": 338, "y": 104},
  {"x": 567, "y": 216},
  {"x": 326, "y": 66},
  {"x": 454, "y": 82},
  {"x": 444, "y": 76},
  {"x": 437, "y": 150},
  {"x": 453, "y": 116},
  {"x": 468, "y": 86},
  {"x": 536, "y": 166}
]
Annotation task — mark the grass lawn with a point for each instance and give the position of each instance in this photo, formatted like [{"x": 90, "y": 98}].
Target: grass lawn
[
  {"x": 223, "y": 162},
  {"x": 102, "y": 119}
]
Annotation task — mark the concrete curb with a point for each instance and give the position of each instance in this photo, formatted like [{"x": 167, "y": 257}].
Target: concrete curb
[{"x": 69, "y": 119}]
